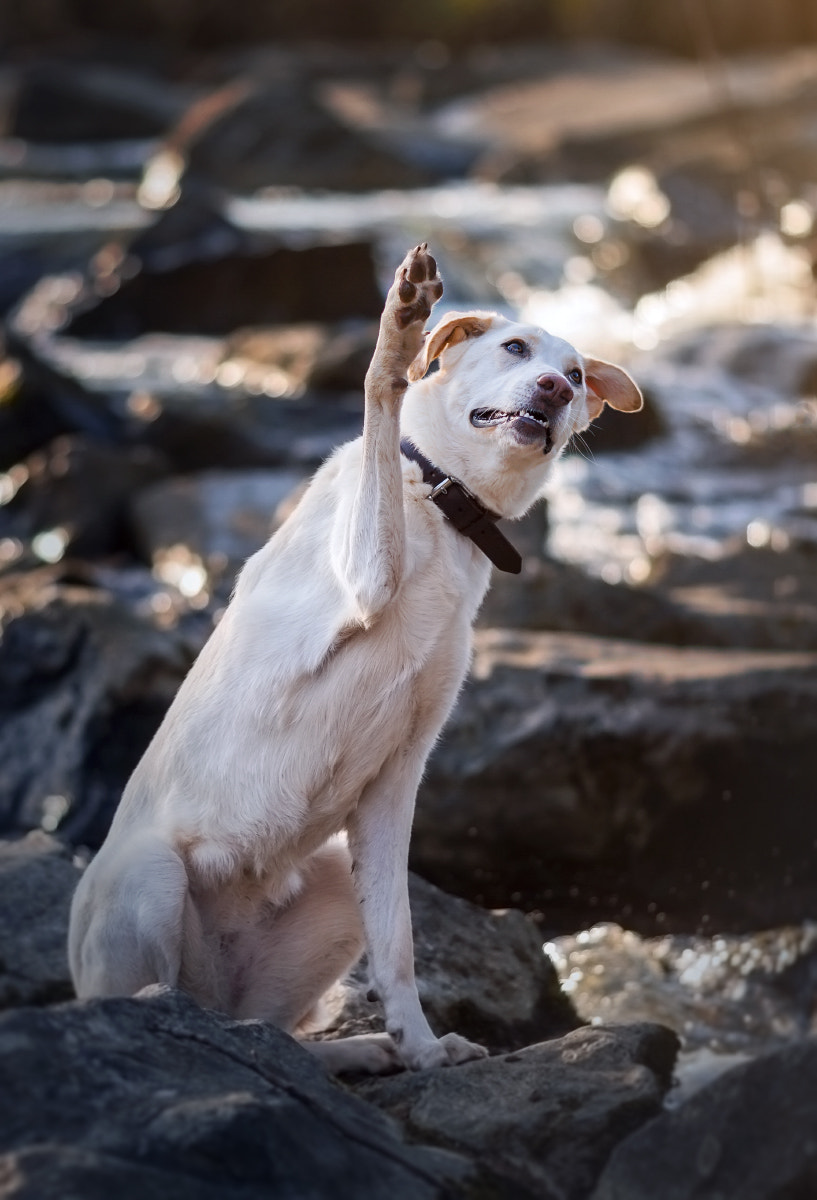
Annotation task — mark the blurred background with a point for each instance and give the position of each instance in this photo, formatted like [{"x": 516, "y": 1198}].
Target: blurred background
[{"x": 201, "y": 205}]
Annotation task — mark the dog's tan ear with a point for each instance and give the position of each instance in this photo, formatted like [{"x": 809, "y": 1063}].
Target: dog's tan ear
[
  {"x": 454, "y": 328},
  {"x": 607, "y": 384}
]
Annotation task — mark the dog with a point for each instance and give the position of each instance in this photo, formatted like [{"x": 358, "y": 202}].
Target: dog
[{"x": 261, "y": 843}]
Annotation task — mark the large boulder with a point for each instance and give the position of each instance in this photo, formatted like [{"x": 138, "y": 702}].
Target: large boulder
[
  {"x": 86, "y": 676},
  {"x": 276, "y": 132},
  {"x": 37, "y": 880},
  {"x": 543, "y": 1121},
  {"x": 479, "y": 973},
  {"x": 653, "y": 781},
  {"x": 193, "y": 272},
  {"x": 219, "y": 517},
  {"x": 154, "y": 1096},
  {"x": 748, "y": 1134},
  {"x": 80, "y": 488}
]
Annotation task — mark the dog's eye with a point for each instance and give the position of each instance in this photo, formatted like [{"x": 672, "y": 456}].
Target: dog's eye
[
  {"x": 515, "y": 346},
  {"x": 575, "y": 376}
]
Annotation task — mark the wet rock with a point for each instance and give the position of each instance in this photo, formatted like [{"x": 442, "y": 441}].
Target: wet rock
[
  {"x": 183, "y": 397},
  {"x": 154, "y": 1095},
  {"x": 79, "y": 489},
  {"x": 238, "y": 284},
  {"x": 479, "y": 973},
  {"x": 37, "y": 880},
  {"x": 252, "y": 134},
  {"x": 651, "y": 781},
  {"x": 27, "y": 421},
  {"x": 219, "y": 517},
  {"x": 612, "y": 430},
  {"x": 542, "y": 1121},
  {"x": 85, "y": 679},
  {"x": 748, "y": 1134},
  {"x": 309, "y": 357},
  {"x": 760, "y": 596},
  {"x": 558, "y": 596},
  {"x": 752, "y": 598},
  {"x": 57, "y": 102}
]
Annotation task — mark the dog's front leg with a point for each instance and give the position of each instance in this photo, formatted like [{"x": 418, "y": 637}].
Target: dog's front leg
[
  {"x": 369, "y": 545},
  {"x": 379, "y": 834}
]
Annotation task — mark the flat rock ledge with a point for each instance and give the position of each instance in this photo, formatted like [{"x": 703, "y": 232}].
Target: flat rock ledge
[{"x": 152, "y": 1095}]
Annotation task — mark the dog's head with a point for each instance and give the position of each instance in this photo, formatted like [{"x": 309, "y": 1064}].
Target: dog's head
[{"x": 503, "y": 405}]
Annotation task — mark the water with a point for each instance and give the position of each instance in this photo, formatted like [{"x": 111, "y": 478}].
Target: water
[{"x": 727, "y": 997}]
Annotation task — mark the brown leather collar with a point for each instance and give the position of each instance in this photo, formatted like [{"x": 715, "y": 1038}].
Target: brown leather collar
[{"x": 465, "y": 512}]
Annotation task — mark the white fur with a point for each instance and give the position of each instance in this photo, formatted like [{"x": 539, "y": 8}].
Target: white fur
[{"x": 310, "y": 713}]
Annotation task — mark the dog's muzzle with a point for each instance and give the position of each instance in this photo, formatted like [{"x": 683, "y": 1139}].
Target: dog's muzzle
[{"x": 530, "y": 424}]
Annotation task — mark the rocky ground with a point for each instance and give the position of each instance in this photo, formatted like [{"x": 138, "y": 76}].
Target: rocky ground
[{"x": 189, "y": 293}]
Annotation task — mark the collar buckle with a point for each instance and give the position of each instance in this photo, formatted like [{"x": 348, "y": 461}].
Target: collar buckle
[{"x": 440, "y": 489}]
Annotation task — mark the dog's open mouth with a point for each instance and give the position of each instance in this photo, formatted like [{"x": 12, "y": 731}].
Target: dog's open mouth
[{"x": 529, "y": 424}]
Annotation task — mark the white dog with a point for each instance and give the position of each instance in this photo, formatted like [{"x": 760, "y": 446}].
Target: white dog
[{"x": 313, "y": 707}]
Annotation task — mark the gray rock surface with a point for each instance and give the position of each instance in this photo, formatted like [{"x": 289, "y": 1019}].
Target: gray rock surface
[
  {"x": 82, "y": 488},
  {"x": 479, "y": 973},
  {"x": 750, "y": 1134},
  {"x": 154, "y": 1096},
  {"x": 37, "y": 880},
  {"x": 566, "y": 751},
  {"x": 543, "y": 1120},
  {"x": 85, "y": 679},
  {"x": 222, "y": 517}
]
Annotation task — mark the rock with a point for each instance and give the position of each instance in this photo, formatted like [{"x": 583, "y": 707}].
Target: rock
[
  {"x": 482, "y": 974},
  {"x": 85, "y": 679},
  {"x": 612, "y": 430},
  {"x": 205, "y": 277},
  {"x": 81, "y": 488},
  {"x": 61, "y": 102},
  {"x": 309, "y": 357},
  {"x": 579, "y": 772},
  {"x": 218, "y": 517},
  {"x": 275, "y": 132},
  {"x": 184, "y": 397},
  {"x": 748, "y": 1134},
  {"x": 752, "y": 598},
  {"x": 780, "y": 359},
  {"x": 37, "y": 880},
  {"x": 542, "y": 1121},
  {"x": 27, "y": 421},
  {"x": 558, "y": 596},
  {"x": 763, "y": 597},
  {"x": 154, "y": 1096}
]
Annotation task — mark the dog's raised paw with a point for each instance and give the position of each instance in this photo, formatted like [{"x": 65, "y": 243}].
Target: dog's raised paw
[{"x": 417, "y": 286}]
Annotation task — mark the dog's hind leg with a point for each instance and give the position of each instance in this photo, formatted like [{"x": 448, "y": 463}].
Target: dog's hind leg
[
  {"x": 127, "y": 919},
  {"x": 293, "y": 956},
  {"x": 369, "y": 535}
]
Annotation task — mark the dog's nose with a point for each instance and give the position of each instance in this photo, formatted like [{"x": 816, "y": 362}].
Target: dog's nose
[{"x": 554, "y": 388}]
